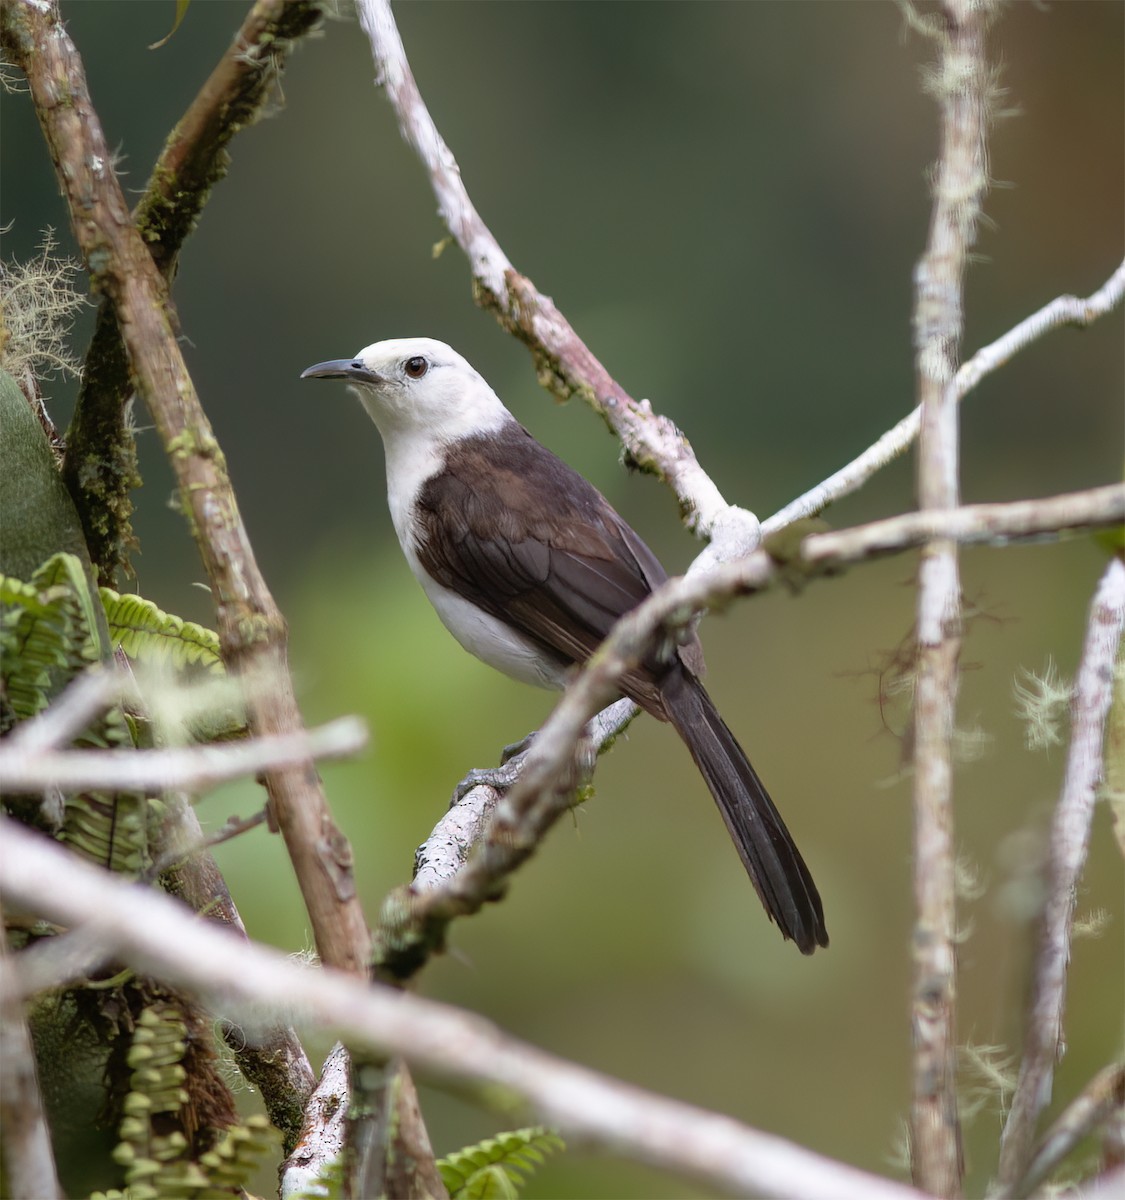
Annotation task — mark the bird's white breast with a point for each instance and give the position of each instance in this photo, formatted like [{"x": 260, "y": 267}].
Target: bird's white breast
[{"x": 484, "y": 636}]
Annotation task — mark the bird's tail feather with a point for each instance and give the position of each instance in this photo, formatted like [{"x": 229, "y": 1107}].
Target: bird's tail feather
[{"x": 767, "y": 850}]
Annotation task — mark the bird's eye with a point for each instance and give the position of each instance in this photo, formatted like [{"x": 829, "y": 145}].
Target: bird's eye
[{"x": 416, "y": 367}]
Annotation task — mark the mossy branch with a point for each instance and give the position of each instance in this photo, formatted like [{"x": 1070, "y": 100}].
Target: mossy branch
[{"x": 100, "y": 466}]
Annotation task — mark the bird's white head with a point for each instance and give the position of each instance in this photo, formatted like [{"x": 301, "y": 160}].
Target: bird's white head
[{"x": 418, "y": 387}]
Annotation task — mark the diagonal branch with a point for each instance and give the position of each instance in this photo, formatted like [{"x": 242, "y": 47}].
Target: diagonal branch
[
  {"x": 1063, "y": 310},
  {"x": 468, "y": 858},
  {"x": 99, "y": 466},
  {"x": 251, "y": 628},
  {"x": 1044, "y": 1042},
  {"x": 249, "y": 981},
  {"x": 29, "y": 1163},
  {"x": 564, "y": 362},
  {"x": 1098, "y": 1102}
]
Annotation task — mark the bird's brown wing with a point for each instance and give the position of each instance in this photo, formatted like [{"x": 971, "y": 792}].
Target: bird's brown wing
[{"x": 511, "y": 528}]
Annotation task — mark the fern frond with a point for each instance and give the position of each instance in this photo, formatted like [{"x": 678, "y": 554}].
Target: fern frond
[
  {"x": 148, "y": 635},
  {"x": 495, "y": 1168},
  {"x": 157, "y": 1165},
  {"x": 48, "y": 633}
]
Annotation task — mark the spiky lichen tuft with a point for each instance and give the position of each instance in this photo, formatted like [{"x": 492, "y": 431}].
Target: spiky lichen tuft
[
  {"x": 1042, "y": 703},
  {"x": 38, "y": 304}
]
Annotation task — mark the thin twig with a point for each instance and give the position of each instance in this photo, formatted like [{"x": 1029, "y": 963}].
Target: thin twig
[
  {"x": 1103, "y": 1096},
  {"x": 251, "y": 628},
  {"x": 90, "y": 695},
  {"x": 565, "y": 363},
  {"x": 959, "y": 83},
  {"x": 413, "y": 919},
  {"x": 187, "y": 768},
  {"x": 971, "y": 524},
  {"x": 29, "y": 1162},
  {"x": 1063, "y": 310},
  {"x": 451, "y": 1046},
  {"x": 1044, "y": 1041},
  {"x": 231, "y": 828}
]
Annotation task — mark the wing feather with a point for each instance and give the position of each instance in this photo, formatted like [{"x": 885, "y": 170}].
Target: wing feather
[{"x": 527, "y": 539}]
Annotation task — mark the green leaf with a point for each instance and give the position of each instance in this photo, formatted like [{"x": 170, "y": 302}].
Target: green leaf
[
  {"x": 50, "y": 629},
  {"x": 181, "y": 12},
  {"x": 150, "y": 636},
  {"x": 494, "y": 1169}
]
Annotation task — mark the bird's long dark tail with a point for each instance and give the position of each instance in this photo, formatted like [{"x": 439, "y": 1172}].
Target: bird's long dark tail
[{"x": 767, "y": 850}]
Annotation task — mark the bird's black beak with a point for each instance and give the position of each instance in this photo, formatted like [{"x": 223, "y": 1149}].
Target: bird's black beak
[{"x": 342, "y": 368}]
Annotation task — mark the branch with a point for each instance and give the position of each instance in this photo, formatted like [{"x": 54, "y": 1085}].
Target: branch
[
  {"x": 456, "y": 877},
  {"x": 1044, "y": 1043},
  {"x": 1103, "y": 1096},
  {"x": 449, "y": 1045},
  {"x": 1063, "y": 310},
  {"x": 971, "y": 524},
  {"x": 960, "y": 85},
  {"x": 29, "y": 1162},
  {"x": 447, "y": 848},
  {"x": 565, "y": 364},
  {"x": 100, "y": 462},
  {"x": 186, "y": 768},
  {"x": 251, "y": 628},
  {"x": 322, "y": 1137}
]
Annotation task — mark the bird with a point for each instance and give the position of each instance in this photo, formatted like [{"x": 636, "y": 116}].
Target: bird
[{"x": 529, "y": 567}]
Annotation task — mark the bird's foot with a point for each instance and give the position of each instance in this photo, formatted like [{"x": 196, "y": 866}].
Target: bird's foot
[
  {"x": 517, "y": 748},
  {"x": 502, "y": 777}
]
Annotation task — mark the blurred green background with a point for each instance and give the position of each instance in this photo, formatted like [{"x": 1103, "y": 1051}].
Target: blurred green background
[{"x": 727, "y": 201}]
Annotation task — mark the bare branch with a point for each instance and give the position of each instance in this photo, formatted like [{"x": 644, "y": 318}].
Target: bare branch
[
  {"x": 29, "y": 1162},
  {"x": 1098, "y": 1100},
  {"x": 321, "y": 1142},
  {"x": 186, "y": 768},
  {"x": 100, "y": 462},
  {"x": 456, "y": 877},
  {"x": 1063, "y": 310},
  {"x": 251, "y": 628},
  {"x": 979, "y": 524},
  {"x": 960, "y": 84},
  {"x": 249, "y": 981},
  {"x": 447, "y": 848},
  {"x": 1044, "y": 1042},
  {"x": 564, "y": 362}
]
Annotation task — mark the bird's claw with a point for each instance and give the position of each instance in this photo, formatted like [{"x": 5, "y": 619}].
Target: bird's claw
[{"x": 501, "y": 778}]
